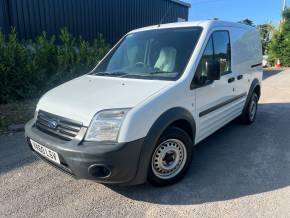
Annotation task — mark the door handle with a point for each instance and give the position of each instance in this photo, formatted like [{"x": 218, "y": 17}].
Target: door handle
[
  {"x": 232, "y": 79},
  {"x": 239, "y": 77}
]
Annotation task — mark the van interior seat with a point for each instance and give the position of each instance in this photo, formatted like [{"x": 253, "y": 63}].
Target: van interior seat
[{"x": 166, "y": 60}]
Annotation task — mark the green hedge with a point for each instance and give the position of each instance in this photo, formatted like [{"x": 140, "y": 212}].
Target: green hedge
[{"x": 30, "y": 68}]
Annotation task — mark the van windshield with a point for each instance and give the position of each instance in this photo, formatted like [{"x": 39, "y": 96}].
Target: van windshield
[{"x": 154, "y": 54}]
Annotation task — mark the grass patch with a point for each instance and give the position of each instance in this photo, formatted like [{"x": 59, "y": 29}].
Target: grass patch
[{"x": 16, "y": 113}]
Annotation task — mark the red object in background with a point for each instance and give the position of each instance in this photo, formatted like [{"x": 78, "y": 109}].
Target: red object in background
[{"x": 278, "y": 64}]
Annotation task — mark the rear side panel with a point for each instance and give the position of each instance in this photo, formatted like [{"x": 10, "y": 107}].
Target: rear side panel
[{"x": 246, "y": 58}]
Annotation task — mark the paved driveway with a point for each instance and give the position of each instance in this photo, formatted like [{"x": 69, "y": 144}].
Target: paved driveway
[{"x": 240, "y": 171}]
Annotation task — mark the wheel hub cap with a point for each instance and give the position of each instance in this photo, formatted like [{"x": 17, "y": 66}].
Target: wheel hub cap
[{"x": 169, "y": 159}]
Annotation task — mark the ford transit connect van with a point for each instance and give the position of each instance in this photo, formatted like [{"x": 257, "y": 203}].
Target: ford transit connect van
[{"x": 159, "y": 91}]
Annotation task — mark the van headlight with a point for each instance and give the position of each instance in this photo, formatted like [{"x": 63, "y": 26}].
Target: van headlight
[{"x": 105, "y": 125}]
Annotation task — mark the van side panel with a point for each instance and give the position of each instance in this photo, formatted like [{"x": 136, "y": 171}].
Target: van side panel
[
  {"x": 246, "y": 57},
  {"x": 246, "y": 49}
]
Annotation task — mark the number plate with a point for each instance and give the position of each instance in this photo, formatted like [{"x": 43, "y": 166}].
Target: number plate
[{"x": 44, "y": 151}]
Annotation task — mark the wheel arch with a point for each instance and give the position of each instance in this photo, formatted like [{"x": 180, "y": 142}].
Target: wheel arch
[
  {"x": 185, "y": 125},
  {"x": 178, "y": 117},
  {"x": 255, "y": 87}
]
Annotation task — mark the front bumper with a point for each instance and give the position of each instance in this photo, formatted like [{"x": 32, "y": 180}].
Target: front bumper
[{"x": 105, "y": 163}]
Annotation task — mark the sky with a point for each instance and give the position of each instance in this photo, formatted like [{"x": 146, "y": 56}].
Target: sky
[{"x": 260, "y": 11}]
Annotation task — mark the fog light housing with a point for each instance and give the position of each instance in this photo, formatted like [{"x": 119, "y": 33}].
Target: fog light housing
[{"x": 99, "y": 171}]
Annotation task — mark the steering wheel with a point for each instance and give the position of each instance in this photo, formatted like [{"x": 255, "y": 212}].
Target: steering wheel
[{"x": 140, "y": 64}]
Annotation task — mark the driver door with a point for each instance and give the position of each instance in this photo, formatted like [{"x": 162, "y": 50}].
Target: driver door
[{"x": 213, "y": 106}]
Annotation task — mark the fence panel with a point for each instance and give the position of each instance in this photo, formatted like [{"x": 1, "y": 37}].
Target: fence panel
[{"x": 86, "y": 18}]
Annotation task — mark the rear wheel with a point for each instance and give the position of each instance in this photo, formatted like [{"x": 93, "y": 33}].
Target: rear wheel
[
  {"x": 170, "y": 158},
  {"x": 249, "y": 115}
]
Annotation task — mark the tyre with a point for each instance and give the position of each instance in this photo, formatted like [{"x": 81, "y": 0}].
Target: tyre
[
  {"x": 170, "y": 158},
  {"x": 249, "y": 115}
]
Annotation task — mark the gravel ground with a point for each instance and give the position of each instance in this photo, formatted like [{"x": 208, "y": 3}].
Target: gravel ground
[{"x": 240, "y": 171}]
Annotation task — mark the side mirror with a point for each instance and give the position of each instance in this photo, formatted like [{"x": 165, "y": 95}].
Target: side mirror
[{"x": 212, "y": 68}]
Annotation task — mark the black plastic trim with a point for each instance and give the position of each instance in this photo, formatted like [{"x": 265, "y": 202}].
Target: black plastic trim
[
  {"x": 218, "y": 106},
  {"x": 63, "y": 167},
  {"x": 232, "y": 79},
  {"x": 239, "y": 77},
  {"x": 156, "y": 130},
  {"x": 59, "y": 167},
  {"x": 65, "y": 128},
  {"x": 254, "y": 84},
  {"x": 256, "y": 65},
  {"x": 77, "y": 156}
]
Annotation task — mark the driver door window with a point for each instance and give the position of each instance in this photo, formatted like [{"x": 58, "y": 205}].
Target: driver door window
[
  {"x": 200, "y": 75},
  {"x": 222, "y": 50},
  {"x": 218, "y": 48}
]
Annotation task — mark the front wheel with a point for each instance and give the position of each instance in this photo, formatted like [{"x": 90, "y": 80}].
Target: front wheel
[{"x": 171, "y": 157}]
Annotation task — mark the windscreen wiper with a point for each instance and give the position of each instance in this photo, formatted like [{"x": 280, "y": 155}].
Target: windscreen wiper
[
  {"x": 147, "y": 74},
  {"x": 117, "y": 73},
  {"x": 159, "y": 72}
]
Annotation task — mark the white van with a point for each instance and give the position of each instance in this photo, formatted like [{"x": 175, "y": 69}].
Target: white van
[{"x": 159, "y": 91}]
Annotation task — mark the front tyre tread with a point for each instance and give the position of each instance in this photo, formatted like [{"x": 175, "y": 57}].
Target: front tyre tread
[{"x": 246, "y": 118}]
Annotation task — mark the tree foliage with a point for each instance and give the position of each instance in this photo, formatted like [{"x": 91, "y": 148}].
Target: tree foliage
[
  {"x": 266, "y": 33},
  {"x": 286, "y": 14},
  {"x": 279, "y": 47},
  {"x": 247, "y": 22}
]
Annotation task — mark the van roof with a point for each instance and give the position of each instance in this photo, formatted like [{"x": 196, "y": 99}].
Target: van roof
[{"x": 202, "y": 23}]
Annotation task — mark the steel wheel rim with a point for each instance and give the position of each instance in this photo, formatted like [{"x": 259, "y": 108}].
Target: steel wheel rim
[
  {"x": 253, "y": 109},
  {"x": 169, "y": 159}
]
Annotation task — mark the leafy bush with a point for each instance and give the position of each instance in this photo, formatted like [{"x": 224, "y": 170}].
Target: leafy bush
[
  {"x": 279, "y": 47},
  {"x": 29, "y": 68},
  {"x": 15, "y": 69}
]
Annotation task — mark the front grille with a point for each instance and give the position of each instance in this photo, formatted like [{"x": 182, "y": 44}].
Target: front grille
[{"x": 57, "y": 126}]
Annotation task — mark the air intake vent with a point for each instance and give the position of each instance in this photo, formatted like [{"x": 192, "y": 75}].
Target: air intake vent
[{"x": 57, "y": 126}]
